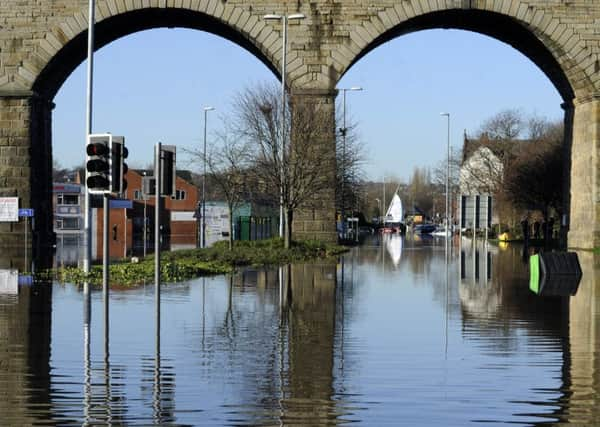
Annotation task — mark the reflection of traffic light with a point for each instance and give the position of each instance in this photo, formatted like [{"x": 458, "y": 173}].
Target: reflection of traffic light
[
  {"x": 98, "y": 163},
  {"x": 118, "y": 166}
]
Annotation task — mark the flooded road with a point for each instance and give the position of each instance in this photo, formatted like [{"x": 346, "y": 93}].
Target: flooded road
[{"x": 389, "y": 335}]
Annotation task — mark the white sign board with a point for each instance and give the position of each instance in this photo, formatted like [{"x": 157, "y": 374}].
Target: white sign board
[
  {"x": 182, "y": 216},
  {"x": 9, "y": 209},
  {"x": 9, "y": 282}
]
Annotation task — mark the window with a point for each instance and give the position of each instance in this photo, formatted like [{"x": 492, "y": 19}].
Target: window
[
  {"x": 179, "y": 194},
  {"x": 137, "y": 194},
  {"x": 67, "y": 223},
  {"x": 67, "y": 199}
]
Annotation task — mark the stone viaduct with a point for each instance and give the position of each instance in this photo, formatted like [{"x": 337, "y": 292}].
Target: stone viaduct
[{"x": 42, "y": 41}]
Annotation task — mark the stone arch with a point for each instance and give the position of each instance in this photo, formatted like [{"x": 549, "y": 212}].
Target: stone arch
[
  {"x": 552, "y": 45},
  {"x": 556, "y": 46},
  {"x": 64, "y": 46}
]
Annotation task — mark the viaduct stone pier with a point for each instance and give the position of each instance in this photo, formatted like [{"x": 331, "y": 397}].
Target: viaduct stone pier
[{"x": 42, "y": 41}]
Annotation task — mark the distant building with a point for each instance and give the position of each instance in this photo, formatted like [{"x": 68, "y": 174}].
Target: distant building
[
  {"x": 68, "y": 210},
  {"x": 67, "y": 201},
  {"x": 129, "y": 215},
  {"x": 127, "y": 218},
  {"x": 250, "y": 222},
  {"x": 481, "y": 178}
]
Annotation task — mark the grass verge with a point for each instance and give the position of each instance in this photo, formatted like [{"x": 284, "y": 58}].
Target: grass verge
[{"x": 187, "y": 264}]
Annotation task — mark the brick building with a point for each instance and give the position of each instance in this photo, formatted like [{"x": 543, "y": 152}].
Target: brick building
[{"x": 126, "y": 219}]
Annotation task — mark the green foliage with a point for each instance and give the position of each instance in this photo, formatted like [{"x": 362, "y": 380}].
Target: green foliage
[{"x": 187, "y": 264}]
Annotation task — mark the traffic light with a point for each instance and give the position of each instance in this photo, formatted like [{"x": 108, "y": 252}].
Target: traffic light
[
  {"x": 168, "y": 169},
  {"x": 118, "y": 166},
  {"x": 98, "y": 163}
]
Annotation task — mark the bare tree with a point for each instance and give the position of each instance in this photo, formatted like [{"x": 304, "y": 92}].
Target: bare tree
[
  {"x": 521, "y": 173},
  {"x": 420, "y": 190},
  {"x": 349, "y": 176},
  {"x": 439, "y": 177},
  {"x": 535, "y": 179},
  {"x": 298, "y": 168},
  {"x": 506, "y": 125},
  {"x": 228, "y": 168}
]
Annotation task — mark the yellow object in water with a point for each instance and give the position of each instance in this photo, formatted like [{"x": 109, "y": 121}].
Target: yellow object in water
[{"x": 504, "y": 237}]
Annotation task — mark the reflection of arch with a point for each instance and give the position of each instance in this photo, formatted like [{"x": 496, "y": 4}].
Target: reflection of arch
[
  {"x": 64, "y": 47},
  {"x": 544, "y": 40}
]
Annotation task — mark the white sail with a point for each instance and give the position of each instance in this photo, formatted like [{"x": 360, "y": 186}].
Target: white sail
[{"x": 395, "y": 213}]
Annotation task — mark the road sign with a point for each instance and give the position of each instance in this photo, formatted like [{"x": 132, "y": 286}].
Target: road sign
[
  {"x": 121, "y": 204},
  {"x": 9, "y": 209},
  {"x": 148, "y": 187},
  {"x": 25, "y": 212},
  {"x": 9, "y": 282}
]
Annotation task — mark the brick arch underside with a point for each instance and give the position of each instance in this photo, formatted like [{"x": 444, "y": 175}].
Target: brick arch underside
[
  {"x": 492, "y": 24},
  {"x": 74, "y": 52}
]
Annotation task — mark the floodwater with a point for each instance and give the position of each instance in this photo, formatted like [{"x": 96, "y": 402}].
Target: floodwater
[{"x": 390, "y": 335}]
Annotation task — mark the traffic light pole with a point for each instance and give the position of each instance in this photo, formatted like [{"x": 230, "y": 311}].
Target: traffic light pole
[
  {"x": 157, "y": 175},
  {"x": 87, "y": 230}
]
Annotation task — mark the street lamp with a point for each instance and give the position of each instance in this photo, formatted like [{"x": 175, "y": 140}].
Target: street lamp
[
  {"x": 145, "y": 218},
  {"x": 284, "y": 20},
  {"x": 343, "y": 131},
  {"x": 203, "y": 223},
  {"x": 447, "y": 175}
]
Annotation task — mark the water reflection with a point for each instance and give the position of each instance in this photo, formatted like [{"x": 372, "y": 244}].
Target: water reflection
[
  {"x": 25, "y": 330},
  {"x": 393, "y": 245},
  {"x": 365, "y": 341},
  {"x": 582, "y": 358},
  {"x": 309, "y": 346}
]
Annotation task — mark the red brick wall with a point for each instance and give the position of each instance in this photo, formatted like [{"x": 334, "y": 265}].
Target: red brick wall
[{"x": 182, "y": 232}]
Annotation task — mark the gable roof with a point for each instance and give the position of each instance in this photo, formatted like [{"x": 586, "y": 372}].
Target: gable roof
[{"x": 500, "y": 148}]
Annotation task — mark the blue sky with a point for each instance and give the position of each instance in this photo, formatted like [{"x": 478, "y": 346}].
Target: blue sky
[{"x": 151, "y": 86}]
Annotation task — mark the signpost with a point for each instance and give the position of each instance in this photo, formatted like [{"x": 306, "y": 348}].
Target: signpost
[
  {"x": 121, "y": 204},
  {"x": 26, "y": 213},
  {"x": 164, "y": 174}
]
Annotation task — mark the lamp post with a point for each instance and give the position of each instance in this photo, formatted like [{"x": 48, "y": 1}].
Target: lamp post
[
  {"x": 203, "y": 222},
  {"x": 145, "y": 218},
  {"x": 447, "y": 174},
  {"x": 284, "y": 21},
  {"x": 87, "y": 219},
  {"x": 343, "y": 131}
]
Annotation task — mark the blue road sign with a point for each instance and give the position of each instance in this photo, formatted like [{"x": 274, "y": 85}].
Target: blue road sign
[
  {"x": 26, "y": 212},
  {"x": 121, "y": 204},
  {"x": 25, "y": 280}
]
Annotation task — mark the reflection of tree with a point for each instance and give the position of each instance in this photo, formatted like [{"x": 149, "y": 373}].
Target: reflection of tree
[{"x": 288, "y": 351}]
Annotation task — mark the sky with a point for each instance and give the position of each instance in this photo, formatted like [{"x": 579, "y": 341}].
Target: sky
[{"x": 152, "y": 87}]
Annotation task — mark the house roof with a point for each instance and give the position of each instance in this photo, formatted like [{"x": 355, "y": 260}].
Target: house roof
[{"x": 501, "y": 148}]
